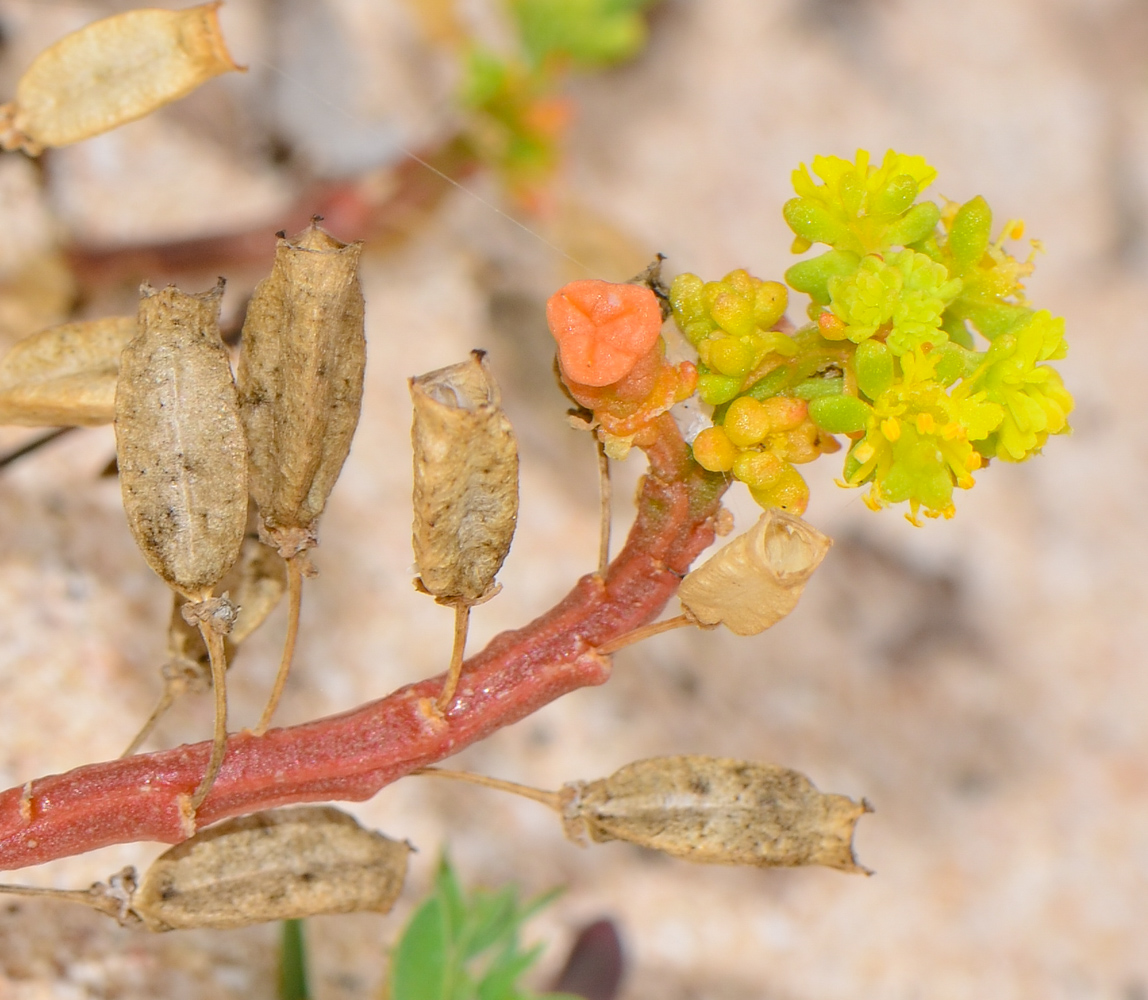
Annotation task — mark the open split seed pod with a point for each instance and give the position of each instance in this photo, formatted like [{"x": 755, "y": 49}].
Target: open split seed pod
[
  {"x": 755, "y": 580},
  {"x": 465, "y": 481}
]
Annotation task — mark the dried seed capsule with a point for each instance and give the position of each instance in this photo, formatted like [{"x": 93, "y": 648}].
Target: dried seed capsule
[
  {"x": 183, "y": 470},
  {"x": 65, "y": 375},
  {"x": 301, "y": 381},
  {"x": 179, "y": 441},
  {"x": 717, "y": 811},
  {"x": 276, "y": 865},
  {"x": 111, "y": 72},
  {"x": 465, "y": 481},
  {"x": 707, "y": 809},
  {"x": 755, "y": 580}
]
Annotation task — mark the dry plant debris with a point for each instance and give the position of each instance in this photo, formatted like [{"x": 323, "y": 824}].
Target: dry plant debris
[{"x": 111, "y": 72}]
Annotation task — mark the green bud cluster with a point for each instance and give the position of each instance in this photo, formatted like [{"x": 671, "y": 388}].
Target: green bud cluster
[
  {"x": 729, "y": 322},
  {"x": 899, "y": 301}
]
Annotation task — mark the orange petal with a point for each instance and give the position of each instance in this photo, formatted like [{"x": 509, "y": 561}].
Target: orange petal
[{"x": 602, "y": 329}]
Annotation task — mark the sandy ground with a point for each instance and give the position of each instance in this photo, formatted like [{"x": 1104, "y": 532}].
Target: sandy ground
[{"x": 980, "y": 680}]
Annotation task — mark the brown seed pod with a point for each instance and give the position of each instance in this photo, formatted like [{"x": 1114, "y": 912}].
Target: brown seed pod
[
  {"x": 465, "y": 481},
  {"x": 300, "y": 381},
  {"x": 111, "y": 72},
  {"x": 65, "y": 375},
  {"x": 182, "y": 455},
  {"x": 279, "y": 865},
  {"x": 755, "y": 580},
  {"x": 276, "y": 865},
  {"x": 717, "y": 811}
]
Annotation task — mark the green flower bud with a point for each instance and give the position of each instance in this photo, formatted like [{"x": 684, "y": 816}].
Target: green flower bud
[
  {"x": 730, "y": 356},
  {"x": 733, "y": 313},
  {"x": 716, "y": 389},
  {"x": 769, "y": 303}
]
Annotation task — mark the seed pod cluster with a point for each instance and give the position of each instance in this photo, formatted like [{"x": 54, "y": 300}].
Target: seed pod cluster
[
  {"x": 278, "y": 865},
  {"x": 465, "y": 481},
  {"x": 179, "y": 441},
  {"x": 717, "y": 810},
  {"x": 300, "y": 381},
  {"x": 755, "y": 580},
  {"x": 111, "y": 72},
  {"x": 66, "y": 375}
]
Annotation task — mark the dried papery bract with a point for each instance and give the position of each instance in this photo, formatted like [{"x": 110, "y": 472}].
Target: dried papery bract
[
  {"x": 112, "y": 72},
  {"x": 255, "y": 585},
  {"x": 278, "y": 865},
  {"x": 755, "y": 580},
  {"x": 714, "y": 810},
  {"x": 465, "y": 491},
  {"x": 66, "y": 375},
  {"x": 300, "y": 391},
  {"x": 183, "y": 465}
]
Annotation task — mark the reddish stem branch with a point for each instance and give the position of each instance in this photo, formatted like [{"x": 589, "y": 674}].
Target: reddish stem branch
[{"x": 353, "y": 755}]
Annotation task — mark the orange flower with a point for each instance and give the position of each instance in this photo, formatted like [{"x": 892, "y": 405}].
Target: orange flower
[{"x": 603, "y": 329}]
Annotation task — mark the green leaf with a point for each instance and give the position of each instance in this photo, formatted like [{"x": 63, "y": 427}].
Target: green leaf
[
  {"x": 815, "y": 388},
  {"x": 500, "y": 979},
  {"x": 464, "y": 946},
  {"x": 812, "y": 276},
  {"x": 450, "y": 893},
  {"x": 873, "y": 364},
  {"x": 840, "y": 414},
  {"x": 914, "y": 225},
  {"x": 896, "y": 196},
  {"x": 491, "y": 917},
  {"x": 421, "y": 962},
  {"x": 591, "y": 32},
  {"x": 817, "y": 223},
  {"x": 969, "y": 237},
  {"x": 293, "y": 963}
]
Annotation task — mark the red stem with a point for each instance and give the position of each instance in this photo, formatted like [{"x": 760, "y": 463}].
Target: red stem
[{"x": 353, "y": 755}]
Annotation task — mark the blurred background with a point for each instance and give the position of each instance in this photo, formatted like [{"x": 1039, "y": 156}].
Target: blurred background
[{"x": 979, "y": 680}]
